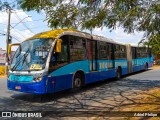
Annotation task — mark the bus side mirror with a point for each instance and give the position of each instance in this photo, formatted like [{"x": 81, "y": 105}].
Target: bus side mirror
[
  {"x": 10, "y": 46},
  {"x": 59, "y": 46}
]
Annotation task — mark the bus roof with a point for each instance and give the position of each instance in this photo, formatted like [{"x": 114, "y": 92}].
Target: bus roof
[
  {"x": 50, "y": 34},
  {"x": 60, "y": 32}
]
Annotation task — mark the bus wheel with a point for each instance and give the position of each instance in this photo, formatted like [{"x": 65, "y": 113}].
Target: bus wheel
[
  {"x": 146, "y": 67},
  {"x": 77, "y": 82},
  {"x": 118, "y": 74}
]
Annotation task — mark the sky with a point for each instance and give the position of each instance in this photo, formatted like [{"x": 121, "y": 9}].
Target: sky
[{"x": 26, "y": 24}]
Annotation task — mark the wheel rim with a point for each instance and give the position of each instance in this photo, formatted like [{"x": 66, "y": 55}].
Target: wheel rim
[
  {"x": 77, "y": 82},
  {"x": 146, "y": 67}
]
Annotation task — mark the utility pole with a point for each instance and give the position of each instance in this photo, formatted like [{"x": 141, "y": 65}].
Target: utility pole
[{"x": 7, "y": 41}]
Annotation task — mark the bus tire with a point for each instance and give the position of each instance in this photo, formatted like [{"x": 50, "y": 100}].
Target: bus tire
[
  {"x": 77, "y": 81},
  {"x": 118, "y": 74},
  {"x": 146, "y": 67}
]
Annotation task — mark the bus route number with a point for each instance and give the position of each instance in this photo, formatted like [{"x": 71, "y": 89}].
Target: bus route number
[{"x": 35, "y": 67}]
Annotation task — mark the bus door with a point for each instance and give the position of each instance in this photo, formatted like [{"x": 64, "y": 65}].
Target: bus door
[
  {"x": 134, "y": 56},
  {"x": 92, "y": 55}
]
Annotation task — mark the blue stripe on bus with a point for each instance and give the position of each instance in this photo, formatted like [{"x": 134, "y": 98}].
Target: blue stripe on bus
[
  {"x": 122, "y": 63},
  {"x": 21, "y": 78},
  {"x": 141, "y": 61},
  {"x": 71, "y": 68},
  {"x": 85, "y": 66}
]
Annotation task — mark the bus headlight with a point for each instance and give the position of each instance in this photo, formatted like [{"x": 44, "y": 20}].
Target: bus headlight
[{"x": 37, "y": 79}]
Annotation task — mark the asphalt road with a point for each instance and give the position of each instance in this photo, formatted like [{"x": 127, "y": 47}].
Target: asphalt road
[{"x": 102, "y": 96}]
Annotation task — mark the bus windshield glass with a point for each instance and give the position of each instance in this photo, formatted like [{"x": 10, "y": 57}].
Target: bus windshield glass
[{"x": 31, "y": 55}]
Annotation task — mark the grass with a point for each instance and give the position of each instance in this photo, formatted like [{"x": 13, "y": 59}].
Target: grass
[
  {"x": 156, "y": 66},
  {"x": 150, "y": 101}
]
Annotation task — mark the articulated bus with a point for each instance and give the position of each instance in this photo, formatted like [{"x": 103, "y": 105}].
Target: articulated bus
[{"x": 61, "y": 59}]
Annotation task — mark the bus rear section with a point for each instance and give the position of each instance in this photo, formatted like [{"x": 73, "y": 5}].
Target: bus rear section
[{"x": 142, "y": 58}]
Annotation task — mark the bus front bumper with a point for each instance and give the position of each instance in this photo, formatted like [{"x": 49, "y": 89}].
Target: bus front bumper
[{"x": 32, "y": 87}]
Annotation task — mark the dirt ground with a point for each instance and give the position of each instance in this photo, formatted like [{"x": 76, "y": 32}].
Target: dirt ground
[{"x": 146, "y": 102}]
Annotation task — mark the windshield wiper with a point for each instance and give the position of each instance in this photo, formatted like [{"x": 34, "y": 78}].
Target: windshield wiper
[
  {"x": 25, "y": 56},
  {"x": 15, "y": 66},
  {"x": 19, "y": 51}
]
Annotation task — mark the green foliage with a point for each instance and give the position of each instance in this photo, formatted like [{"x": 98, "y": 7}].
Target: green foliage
[
  {"x": 154, "y": 42},
  {"x": 139, "y": 15},
  {"x": 6, "y": 5},
  {"x": 132, "y": 15}
]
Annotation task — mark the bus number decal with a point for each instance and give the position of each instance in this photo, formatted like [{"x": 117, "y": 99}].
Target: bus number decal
[{"x": 35, "y": 67}]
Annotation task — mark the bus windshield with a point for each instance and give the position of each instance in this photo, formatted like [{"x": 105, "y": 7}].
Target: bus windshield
[{"x": 31, "y": 55}]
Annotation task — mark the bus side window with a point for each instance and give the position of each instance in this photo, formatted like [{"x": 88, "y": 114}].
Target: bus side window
[
  {"x": 142, "y": 52},
  {"x": 149, "y": 52},
  {"x": 59, "y": 59},
  {"x": 120, "y": 52},
  {"x": 54, "y": 56},
  {"x": 103, "y": 51},
  {"x": 133, "y": 52},
  {"x": 117, "y": 50},
  {"x": 89, "y": 49},
  {"x": 77, "y": 48}
]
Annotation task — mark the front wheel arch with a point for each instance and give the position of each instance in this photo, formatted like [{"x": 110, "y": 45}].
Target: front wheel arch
[{"x": 78, "y": 74}]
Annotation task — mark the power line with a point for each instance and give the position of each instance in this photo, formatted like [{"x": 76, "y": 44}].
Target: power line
[
  {"x": 20, "y": 21},
  {"x": 18, "y": 32},
  {"x": 13, "y": 36},
  {"x": 16, "y": 38},
  {"x": 30, "y": 21},
  {"x": 3, "y": 13},
  {"x": 25, "y": 21},
  {"x": 3, "y": 24},
  {"x": 2, "y": 34},
  {"x": 1, "y": 31},
  {"x": 24, "y": 24},
  {"x": 34, "y": 27},
  {"x": 12, "y": 2}
]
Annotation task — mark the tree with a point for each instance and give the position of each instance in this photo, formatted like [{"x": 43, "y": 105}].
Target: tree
[
  {"x": 5, "y": 5},
  {"x": 139, "y": 15},
  {"x": 154, "y": 41}
]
